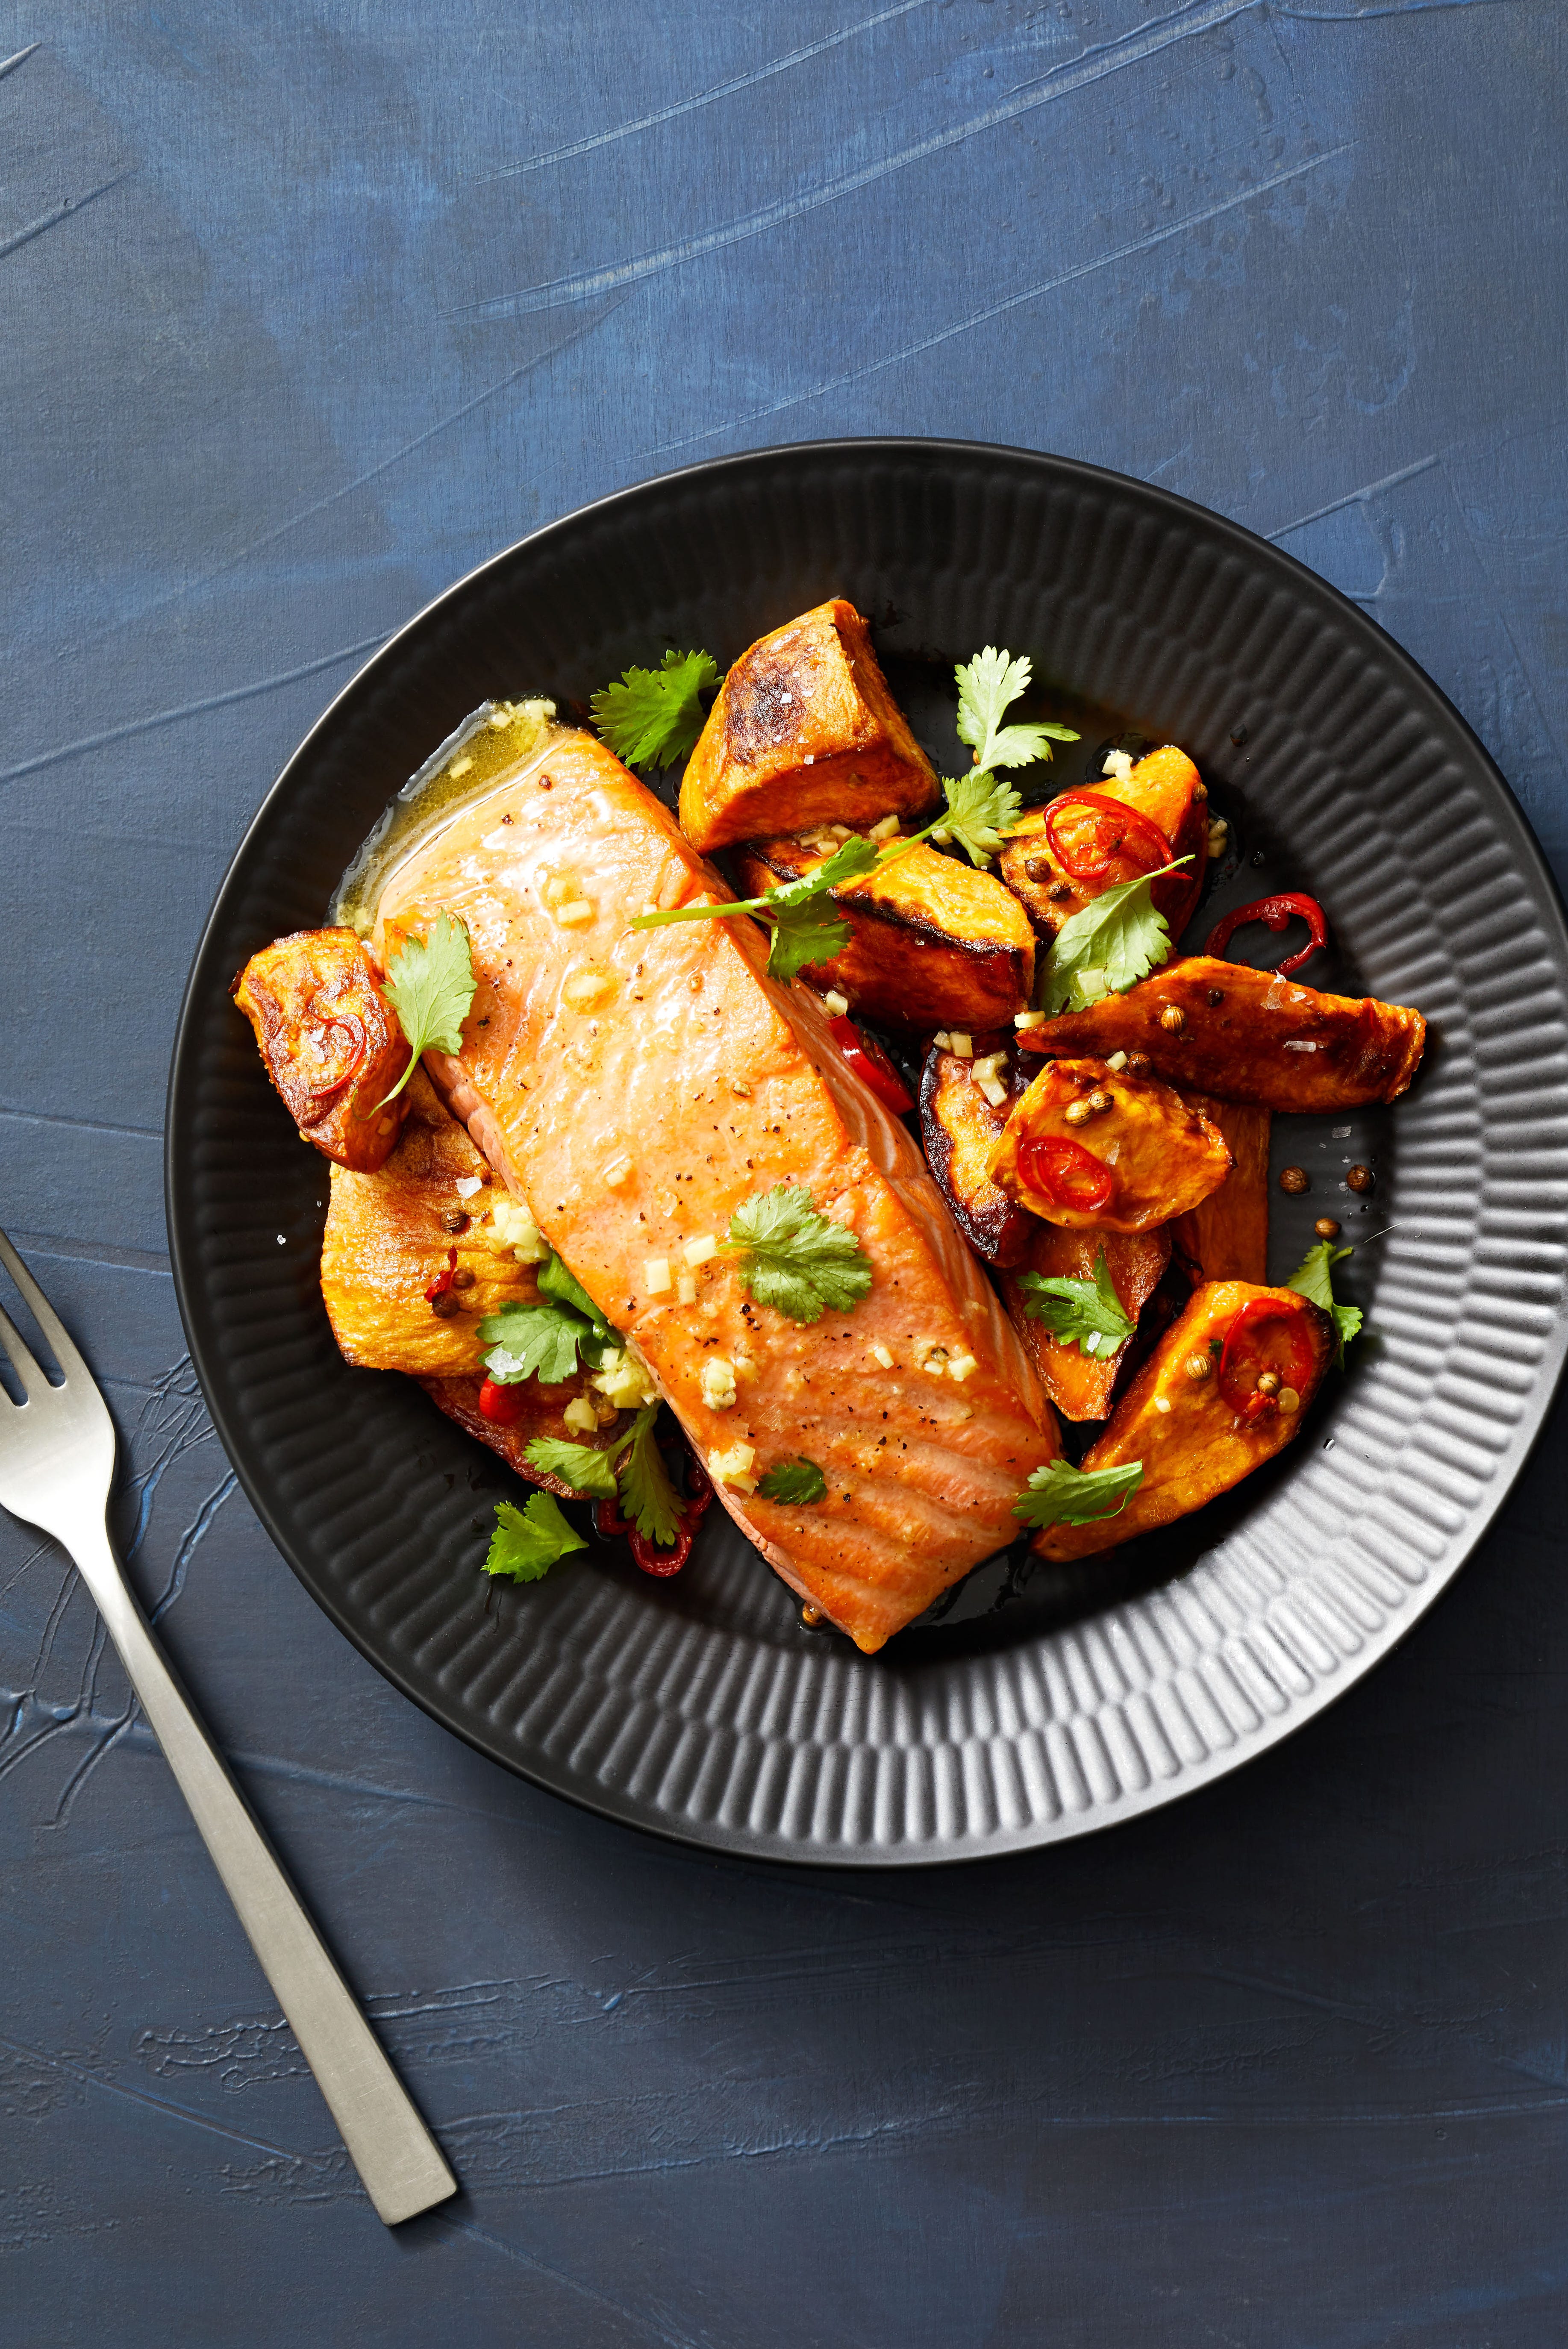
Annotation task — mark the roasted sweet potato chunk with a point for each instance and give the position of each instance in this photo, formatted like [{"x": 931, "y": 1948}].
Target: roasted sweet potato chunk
[
  {"x": 1164, "y": 789},
  {"x": 1099, "y": 1149},
  {"x": 1201, "y": 1414},
  {"x": 1080, "y": 1384},
  {"x": 1227, "y": 1234},
  {"x": 389, "y": 1239},
  {"x": 1250, "y": 1036},
  {"x": 960, "y": 1130},
  {"x": 935, "y": 944},
  {"x": 331, "y": 1045},
  {"x": 804, "y": 731}
]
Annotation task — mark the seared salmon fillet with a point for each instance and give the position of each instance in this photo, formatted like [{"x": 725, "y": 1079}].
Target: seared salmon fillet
[{"x": 634, "y": 1089}]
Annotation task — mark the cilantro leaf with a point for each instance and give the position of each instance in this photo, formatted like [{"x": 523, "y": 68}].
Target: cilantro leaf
[
  {"x": 980, "y": 807},
  {"x": 1313, "y": 1279},
  {"x": 654, "y": 715},
  {"x": 807, "y": 934},
  {"x": 545, "y": 1339},
  {"x": 806, "y": 926},
  {"x": 529, "y": 1342},
  {"x": 430, "y": 986},
  {"x": 1061, "y": 1494},
  {"x": 800, "y": 1481},
  {"x": 1108, "y": 945},
  {"x": 647, "y": 1494},
  {"x": 988, "y": 686},
  {"x": 642, "y": 1483},
  {"x": 556, "y": 1283},
  {"x": 529, "y": 1541},
  {"x": 795, "y": 1259},
  {"x": 586, "y": 1470},
  {"x": 1088, "y": 1314}
]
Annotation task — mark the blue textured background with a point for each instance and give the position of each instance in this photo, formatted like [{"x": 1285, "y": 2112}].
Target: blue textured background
[{"x": 308, "y": 309}]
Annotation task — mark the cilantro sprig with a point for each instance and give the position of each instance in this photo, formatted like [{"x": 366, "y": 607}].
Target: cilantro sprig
[
  {"x": 1106, "y": 946},
  {"x": 977, "y": 809},
  {"x": 805, "y": 930},
  {"x": 795, "y": 1259},
  {"x": 544, "y": 1340},
  {"x": 529, "y": 1541},
  {"x": 1313, "y": 1280},
  {"x": 653, "y": 717},
  {"x": 1061, "y": 1494},
  {"x": 1088, "y": 1314},
  {"x": 987, "y": 688},
  {"x": 642, "y": 1483},
  {"x": 430, "y": 986},
  {"x": 800, "y": 1482}
]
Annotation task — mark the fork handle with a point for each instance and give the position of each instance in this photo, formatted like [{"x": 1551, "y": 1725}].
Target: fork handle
[{"x": 388, "y": 2143}]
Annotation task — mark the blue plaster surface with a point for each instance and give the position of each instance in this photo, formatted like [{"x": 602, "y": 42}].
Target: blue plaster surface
[{"x": 308, "y": 309}]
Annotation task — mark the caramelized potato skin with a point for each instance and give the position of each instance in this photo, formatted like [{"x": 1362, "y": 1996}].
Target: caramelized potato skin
[
  {"x": 935, "y": 944},
  {"x": 960, "y": 1130},
  {"x": 384, "y": 1244},
  {"x": 1164, "y": 1155},
  {"x": 331, "y": 1044},
  {"x": 459, "y": 1398},
  {"x": 1249, "y": 1036},
  {"x": 1080, "y": 1384},
  {"x": 1200, "y": 1447},
  {"x": 1167, "y": 789},
  {"x": 1227, "y": 1234},
  {"x": 804, "y": 731}
]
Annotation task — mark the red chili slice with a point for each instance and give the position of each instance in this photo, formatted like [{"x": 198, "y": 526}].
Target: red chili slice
[
  {"x": 443, "y": 1281},
  {"x": 502, "y": 1406},
  {"x": 1274, "y": 913},
  {"x": 869, "y": 1061},
  {"x": 608, "y": 1522},
  {"x": 1065, "y": 1173},
  {"x": 354, "y": 1029},
  {"x": 1093, "y": 837},
  {"x": 1266, "y": 1335}
]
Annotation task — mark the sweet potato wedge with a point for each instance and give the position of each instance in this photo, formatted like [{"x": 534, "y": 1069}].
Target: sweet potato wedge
[
  {"x": 1080, "y": 1384},
  {"x": 804, "y": 731},
  {"x": 1248, "y": 1036},
  {"x": 1166, "y": 787},
  {"x": 935, "y": 944},
  {"x": 331, "y": 1045},
  {"x": 1140, "y": 1157},
  {"x": 1196, "y": 1435},
  {"x": 1227, "y": 1234},
  {"x": 386, "y": 1243},
  {"x": 961, "y": 1129}
]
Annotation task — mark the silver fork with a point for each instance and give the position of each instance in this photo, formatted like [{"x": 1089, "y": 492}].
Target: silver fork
[{"x": 57, "y": 1466}]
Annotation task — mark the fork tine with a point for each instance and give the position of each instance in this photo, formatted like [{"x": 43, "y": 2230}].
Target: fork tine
[
  {"x": 47, "y": 1319},
  {"x": 34, "y": 1383}
]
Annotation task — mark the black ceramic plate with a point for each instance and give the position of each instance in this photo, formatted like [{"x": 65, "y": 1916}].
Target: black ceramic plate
[{"x": 1042, "y": 1704}]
